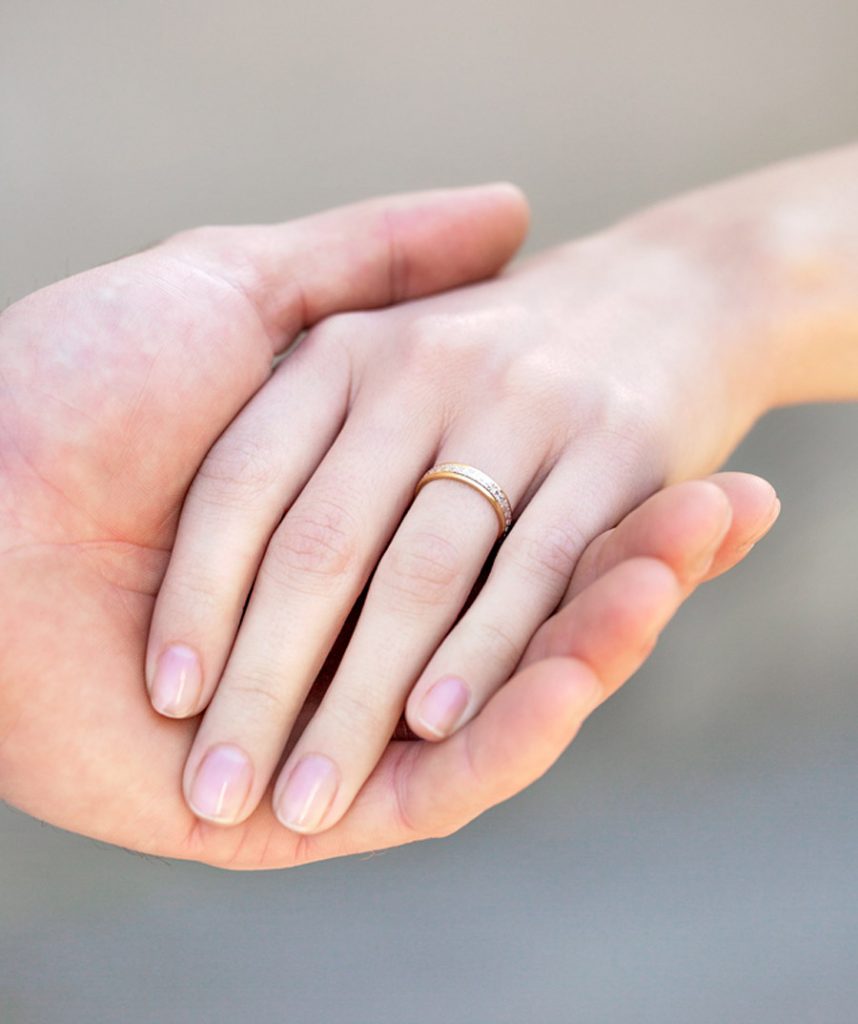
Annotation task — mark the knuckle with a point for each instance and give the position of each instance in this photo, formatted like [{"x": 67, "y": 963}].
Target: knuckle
[
  {"x": 319, "y": 542},
  {"x": 551, "y": 554},
  {"x": 239, "y": 472},
  {"x": 332, "y": 347},
  {"x": 497, "y": 645},
  {"x": 631, "y": 449},
  {"x": 433, "y": 344},
  {"x": 214, "y": 250},
  {"x": 422, "y": 569},
  {"x": 189, "y": 593},
  {"x": 261, "y": 696},
  {"x": 425, "y": 346},
  {"x": 337, "y": 349},
  {"x": 536, "y": 378},
  {"x": 361, "y": 713},
  {"x": 615, "y": 413}
]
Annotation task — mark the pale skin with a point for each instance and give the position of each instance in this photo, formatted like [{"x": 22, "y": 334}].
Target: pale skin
[
  {"x": 582, "y": 380},
  {"x": 72, "y": 667},
  {"x": 113, "y": 387}
]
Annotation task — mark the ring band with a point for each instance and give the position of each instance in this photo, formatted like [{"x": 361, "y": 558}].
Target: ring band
[{"x": 477, "y": 479}]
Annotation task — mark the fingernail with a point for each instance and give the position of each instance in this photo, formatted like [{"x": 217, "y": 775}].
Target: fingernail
[
  {"x": 221, "y": 784},
  {"x": 765, "y": 526},
  {"x": 178, "y": 681},
  {"x": 762, "y": 529},
  {"x": 701, "y": 564},
  {"x": 308, "y": 793},
  {"x": 443, "y": 705}
]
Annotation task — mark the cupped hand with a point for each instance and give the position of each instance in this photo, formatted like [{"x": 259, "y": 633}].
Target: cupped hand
[
  {"x": 102, "y": 763},
  {"x": 98, "y": 441},
  {"x": 581, "y": 381},
  {"x": 113, "y": 386}
]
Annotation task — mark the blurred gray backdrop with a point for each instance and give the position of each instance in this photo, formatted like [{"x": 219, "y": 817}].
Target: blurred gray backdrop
[{"x": 693, "y": 857}]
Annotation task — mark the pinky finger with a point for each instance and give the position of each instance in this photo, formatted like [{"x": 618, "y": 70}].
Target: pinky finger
[{"x": 587, "y": 650}]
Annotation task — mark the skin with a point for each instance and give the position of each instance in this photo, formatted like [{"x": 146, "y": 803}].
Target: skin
[
  {"x": 115, "y": 384},
  {"x": 774, "y": 254},
  {"x": 647, "y": 351}
]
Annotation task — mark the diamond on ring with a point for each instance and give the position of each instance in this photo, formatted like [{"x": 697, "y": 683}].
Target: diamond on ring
[{"x": 479, "y": 481}]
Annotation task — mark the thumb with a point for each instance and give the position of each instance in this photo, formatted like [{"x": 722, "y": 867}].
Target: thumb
[
  {"x": 168, "y": 344},
  {"x": 362, "y": 256}
]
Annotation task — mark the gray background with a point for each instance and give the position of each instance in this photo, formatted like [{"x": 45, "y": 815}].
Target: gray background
[{"x": 693, "y": 858}]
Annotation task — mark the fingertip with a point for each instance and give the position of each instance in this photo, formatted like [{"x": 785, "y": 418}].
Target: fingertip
[
  {"x": 715, "y": 512},
  {"x": 752, "y": 498},
  {"x": 715, "y": 520},
  {"x": 760, "y": 530},
  {"x": 508, "y": 188},
  {"x": 217, "y": 788},
  {"x": 177, "y": 682},
  {"x": 756, "y": 508},
  {"x": 421, "y": 730},
  {"x": 436, "y": 712},
  {"x": 480, "y": 226},
  {"x": 500, "y": 192},
  {"x": 682, "y": 525},
  {"x": 304, "y": 796},
  {"x": 690, "y": 537},
  {"x": 513, "y": 197}
]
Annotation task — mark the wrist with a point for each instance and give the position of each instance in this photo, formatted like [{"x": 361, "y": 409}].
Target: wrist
[
  {"x": 774, "y": 258},
  {"x": 718, "y": 282},
  {"x": 678, "y": 329}
]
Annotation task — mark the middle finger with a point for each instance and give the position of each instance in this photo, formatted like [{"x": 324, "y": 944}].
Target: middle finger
[{"x": 419, "y": 588}]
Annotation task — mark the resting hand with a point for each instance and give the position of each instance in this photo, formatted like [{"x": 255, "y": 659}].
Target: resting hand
[
  {"x": 580, "y": 381},
  {"x": 627, "y": 585},
  {"x": 113, "y": 386}
]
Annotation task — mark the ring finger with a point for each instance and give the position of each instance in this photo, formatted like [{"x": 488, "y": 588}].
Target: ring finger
[
  {"x": 419, "y": 588},
  {"x": 584, "y": 494}
]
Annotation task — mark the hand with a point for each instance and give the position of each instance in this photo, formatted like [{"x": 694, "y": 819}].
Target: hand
[
  {"x": 625, "y": 588},
  {"x": 627, "y": 585},
  {"x": 113, "y": 386},
  {"x": 104, "y": 766},
  {"x": 581, "y": 381}
]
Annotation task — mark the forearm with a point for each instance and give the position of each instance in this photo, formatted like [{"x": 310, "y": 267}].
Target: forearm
[{"x": 775, "y": 253}]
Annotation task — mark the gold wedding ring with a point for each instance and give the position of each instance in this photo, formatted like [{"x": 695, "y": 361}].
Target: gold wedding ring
[{"x": 477, "y": 479}]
